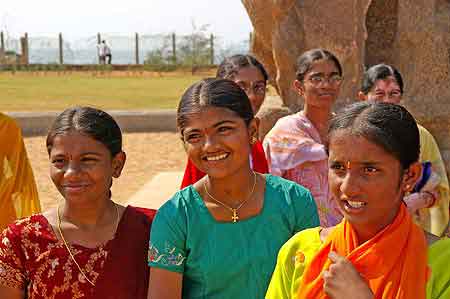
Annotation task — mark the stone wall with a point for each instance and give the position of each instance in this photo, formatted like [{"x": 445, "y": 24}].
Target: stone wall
[{"x": 413, "y": 35}]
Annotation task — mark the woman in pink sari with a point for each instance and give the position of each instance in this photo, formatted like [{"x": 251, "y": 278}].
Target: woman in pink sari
[
  {"x": 295, "y": 147},
  {"x": 89, "y": 246}
]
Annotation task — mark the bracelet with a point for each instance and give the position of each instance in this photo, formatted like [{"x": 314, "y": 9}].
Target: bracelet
[{"x": 433, "y": 198}]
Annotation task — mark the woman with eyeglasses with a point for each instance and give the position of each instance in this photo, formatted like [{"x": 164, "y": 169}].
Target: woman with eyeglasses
[
  {"x": 247, "y": 72},
  {"x": 429, "y": 201},
  {"x": 295, "y": 147}
]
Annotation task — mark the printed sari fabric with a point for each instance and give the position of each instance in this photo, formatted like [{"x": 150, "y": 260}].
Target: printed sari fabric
[
  {"x": 393, "y": 262},
  {"x": 434, "y": 219},
  {"x": 295, "y": 152},
  {"x": 258, "y": 162},
  {"x": 18, "y": 192},
  {"x": 33, "y": 259}
]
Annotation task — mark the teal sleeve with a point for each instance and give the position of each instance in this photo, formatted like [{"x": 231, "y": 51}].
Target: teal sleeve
[
  {"x": 167, "y": 249},
  {"x": 305, "y": 209}
]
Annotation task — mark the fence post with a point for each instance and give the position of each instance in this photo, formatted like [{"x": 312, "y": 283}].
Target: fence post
[
  {"x": 2, "y": 42},
  {"x": 61, "y": 54},
  {"x": 137, "y": 48},
  {"x": 24, "y": 58},
  {"x": 211, "y": 45},
  {"x": 174, "y": 48},
  {"x": 99, "y": 40}
]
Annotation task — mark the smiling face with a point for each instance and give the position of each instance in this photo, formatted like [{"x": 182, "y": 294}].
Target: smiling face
[
  {"x": 385, "y": 90},
  {"x": 367, "y": 181},
  {"x": 321, "y": 84},
  {"x": 251, "y": 80},
  {"x": 217, "y": 141},
  {"x": 82, "y": 168}
]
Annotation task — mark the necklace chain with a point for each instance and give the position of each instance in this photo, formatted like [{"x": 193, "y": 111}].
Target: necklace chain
[
  {"x": 235, "y": 216},
  {"x": 67, "y": 246}
]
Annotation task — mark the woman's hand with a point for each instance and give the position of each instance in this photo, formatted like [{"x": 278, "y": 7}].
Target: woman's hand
[
  {"x": 419, "y": 200},
  {"x": 342, "y": 281}
]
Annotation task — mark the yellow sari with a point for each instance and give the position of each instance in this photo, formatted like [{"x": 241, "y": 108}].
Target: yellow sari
[
  {"x": 18, "y": 192},
  {"x": 434, "y": 219}
]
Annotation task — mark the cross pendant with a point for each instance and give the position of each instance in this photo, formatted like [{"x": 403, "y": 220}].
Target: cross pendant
[{"x": 235, "y": 216}]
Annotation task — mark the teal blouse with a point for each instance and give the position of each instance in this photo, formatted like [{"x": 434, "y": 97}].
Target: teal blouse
[{"x": 225, "y": 259}]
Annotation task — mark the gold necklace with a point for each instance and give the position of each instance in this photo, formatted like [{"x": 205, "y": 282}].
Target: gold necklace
[
  {"x": 235, "y": 216},
  {"x": 67, "y": 246}
]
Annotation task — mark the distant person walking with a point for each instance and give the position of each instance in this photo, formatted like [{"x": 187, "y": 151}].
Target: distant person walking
[{"x": 104, "y": 53}]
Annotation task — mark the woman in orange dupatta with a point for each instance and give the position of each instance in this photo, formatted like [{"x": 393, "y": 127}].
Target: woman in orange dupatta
[
  {"x": 18, "y": 192},
  {"x": 377, "y": 251}
]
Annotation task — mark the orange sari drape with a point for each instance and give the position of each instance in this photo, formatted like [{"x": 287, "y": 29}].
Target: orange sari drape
[{"x": 393, "y": 262}]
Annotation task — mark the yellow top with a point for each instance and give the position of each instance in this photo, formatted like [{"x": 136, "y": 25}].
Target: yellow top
[
  {"x": 291, "y": 262},
  {"x": 18, "y": 192},
  {"x": 434, "y": 219}
]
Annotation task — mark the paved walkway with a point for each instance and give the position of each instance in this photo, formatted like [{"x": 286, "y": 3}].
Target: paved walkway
[{"x": 157, "y": 191}]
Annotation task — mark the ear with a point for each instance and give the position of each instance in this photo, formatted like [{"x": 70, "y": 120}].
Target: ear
[
  {"x": 411, "y": 176},
  {"x": 362, "y": 96},
  {"x": 253, "y": 129},
  {"x": 298, "y": 87},
  {"x": 118, "y": 163}
]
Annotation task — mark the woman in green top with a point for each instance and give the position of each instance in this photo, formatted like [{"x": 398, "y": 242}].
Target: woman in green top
[{"x": 219, "y": 237}]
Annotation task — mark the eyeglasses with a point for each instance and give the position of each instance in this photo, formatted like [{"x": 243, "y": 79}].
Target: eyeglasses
[
  {"x": 258, "y": 88},
  {"x": 332, "y": 80}
]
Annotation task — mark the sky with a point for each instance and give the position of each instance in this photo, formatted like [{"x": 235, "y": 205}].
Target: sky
[{"x": 80, "y": 18}]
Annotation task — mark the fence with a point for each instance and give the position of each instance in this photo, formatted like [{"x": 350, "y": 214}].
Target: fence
[{"x": 196, "y": 48}]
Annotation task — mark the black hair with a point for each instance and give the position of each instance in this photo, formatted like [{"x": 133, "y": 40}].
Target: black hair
[
  {"x": 306, "y": 60},
  {"x": 230, "y": 66},
  {"x": 387, "y": 125},
  {"x": 91, "y": 122},
  {"x": 213, "y": 92},
  {"x": 380, "y": 72}
]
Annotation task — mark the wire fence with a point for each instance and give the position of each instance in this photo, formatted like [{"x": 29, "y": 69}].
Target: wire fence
[{"x": 196, "y": 48}]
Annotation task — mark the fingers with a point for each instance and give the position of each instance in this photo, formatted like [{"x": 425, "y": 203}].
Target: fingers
[{"x": 335, "y": 258}]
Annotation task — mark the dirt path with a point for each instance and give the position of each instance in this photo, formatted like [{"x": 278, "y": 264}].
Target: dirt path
[{"x": 147, "y": 154}]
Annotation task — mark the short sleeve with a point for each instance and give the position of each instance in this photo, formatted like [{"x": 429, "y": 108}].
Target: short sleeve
[
  {"x": 12, "y": 272},
  {"x": 305, "y": 209},
  {"x": 291, "y": 262},
  {"x": 167, "y": 248},
  {"x": 281, "y": 281}
]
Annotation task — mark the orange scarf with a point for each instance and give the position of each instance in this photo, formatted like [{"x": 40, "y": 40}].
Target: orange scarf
[{"x": 393, "y": 262}]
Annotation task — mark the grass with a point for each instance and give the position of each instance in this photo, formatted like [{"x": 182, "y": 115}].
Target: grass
[{"x": 38, "y": 91}]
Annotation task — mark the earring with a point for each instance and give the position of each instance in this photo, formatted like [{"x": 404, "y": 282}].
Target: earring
[{"x": 253, "y": 140}]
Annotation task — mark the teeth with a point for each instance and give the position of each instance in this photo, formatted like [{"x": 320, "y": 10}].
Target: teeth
[
  {"x": 356, "y": 204},
  {"x": 217, "y": 158}
]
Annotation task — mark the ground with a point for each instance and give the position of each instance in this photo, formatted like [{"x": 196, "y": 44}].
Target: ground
[{"x": 147, "y": 154}]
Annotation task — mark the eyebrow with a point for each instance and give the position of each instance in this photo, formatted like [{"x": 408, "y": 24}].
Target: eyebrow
[
  {"x": 82, "y": 154},
  {"x": 364, "y": 163},
  {"x": 214, "y": 126}
]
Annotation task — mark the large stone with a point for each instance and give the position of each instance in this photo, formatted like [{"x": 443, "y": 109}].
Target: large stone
[{"x": 413, "y": 35}]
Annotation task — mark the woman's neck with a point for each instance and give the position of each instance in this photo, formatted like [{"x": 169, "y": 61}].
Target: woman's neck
[
  {"x": 366, "y": 231},
  {"x": 319, "y": 117},
  {"x": 232, "y": 189},
  {"x": 89, "y": 215}
]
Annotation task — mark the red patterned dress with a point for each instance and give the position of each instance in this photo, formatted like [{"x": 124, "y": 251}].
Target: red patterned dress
[{"x": 34, "y": 260}]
